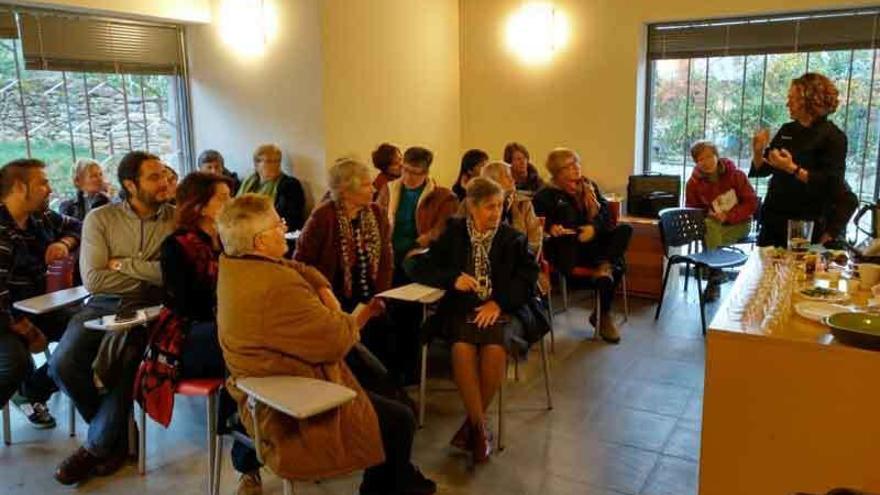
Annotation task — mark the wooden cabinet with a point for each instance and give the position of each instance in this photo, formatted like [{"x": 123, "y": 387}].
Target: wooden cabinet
[{"x": 644, "y": 258}]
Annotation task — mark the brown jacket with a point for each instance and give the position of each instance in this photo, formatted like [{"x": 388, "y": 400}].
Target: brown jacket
[
  {"x": 436, "y": 205},
  {"x": 271, "y": 322},
  {"x": 319, "y": 246}
]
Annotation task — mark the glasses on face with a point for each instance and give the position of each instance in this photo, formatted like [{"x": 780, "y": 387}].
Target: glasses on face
[
  {"x": 417, "y": 171},
  {"x": 280, "y": 224}
]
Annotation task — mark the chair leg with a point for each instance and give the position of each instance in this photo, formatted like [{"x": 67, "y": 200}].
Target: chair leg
[
  {"x": 550, "y": 312},
  {"x": 663, "y": 290},
  {"x": 625, "y": 299},
  {"x": 563, "y": 286},
  {"x": 7, "y": 425},
  {"x": 501, "y": 415},
  {"x": 515, "y": 369},
  {"x": 598, "y": 315},
  {"x": 217, "y": 464},
  {"x": 142, "y": 443},
  {"x": 71, "y": 419},
  {"x": 288, "y": 487},
  {"x": 423, "y": 385},
  {"x": 546, "y": 366},
  {"x": 211, "y": 408},
  {"x": 698, "y": 270},
  {"x": 687, "y": 276}
]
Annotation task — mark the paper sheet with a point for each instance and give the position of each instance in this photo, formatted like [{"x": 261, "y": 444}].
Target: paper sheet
[{"x": 411, "y": 292}]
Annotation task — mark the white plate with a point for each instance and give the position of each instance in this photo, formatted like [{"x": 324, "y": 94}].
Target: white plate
[
  {"x": 816, "y": 311},
  {"x": 836, "y": 297}
]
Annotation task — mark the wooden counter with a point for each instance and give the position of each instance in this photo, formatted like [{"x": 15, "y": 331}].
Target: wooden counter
[
  {"x": 789, "y": 411},
  {"x": 644, "y": 258}
]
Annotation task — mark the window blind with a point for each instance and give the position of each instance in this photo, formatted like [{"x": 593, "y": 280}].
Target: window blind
[
  {"x": 8, "y": 29},
  {"x": 53, "y": 41},
  {"x": 842, "y": 30}
]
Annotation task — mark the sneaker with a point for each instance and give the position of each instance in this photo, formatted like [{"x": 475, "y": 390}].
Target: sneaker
[
  {"x": 78, "y": 467},
  {"x": 37, "y": 413},
  {"x": 250, "y": 483}
]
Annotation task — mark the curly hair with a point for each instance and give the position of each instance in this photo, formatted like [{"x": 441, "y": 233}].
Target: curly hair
[{"x": 819, "y": 95}]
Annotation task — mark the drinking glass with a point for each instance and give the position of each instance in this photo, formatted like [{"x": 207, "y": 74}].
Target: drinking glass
[{"x": 799, "y": 234}]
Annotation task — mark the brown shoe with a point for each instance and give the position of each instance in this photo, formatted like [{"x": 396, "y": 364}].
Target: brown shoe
[
  {"x": 481, "y": 443},
  {"x": 462, "y": 438},
  {"x": 607, "y": 329},
  {"x": 112, "y": 463},
  {"x": 77, "y": 468}
]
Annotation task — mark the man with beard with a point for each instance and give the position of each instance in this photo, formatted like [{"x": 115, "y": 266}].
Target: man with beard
[
  {"x": 31, "y": 238},
  {"x": 119, "y": 262}
]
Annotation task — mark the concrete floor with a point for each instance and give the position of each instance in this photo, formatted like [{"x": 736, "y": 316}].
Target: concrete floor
[{"x": 626, "y": 420}]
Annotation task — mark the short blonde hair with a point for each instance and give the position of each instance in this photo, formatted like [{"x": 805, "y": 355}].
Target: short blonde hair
[
  {"x": 495, "y": 170},
  {"x": 82, "y": 166},
  {"x": 346, "y": 175},
  {"x": 701, "y": 146},
  {"x": 266, "y": 149},
  {"x": 241, "y": 220},
  {"x": 557, "y": 160}
]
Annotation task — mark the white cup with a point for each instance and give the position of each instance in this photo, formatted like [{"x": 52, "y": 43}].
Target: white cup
[{"x": 869, "y": 273}]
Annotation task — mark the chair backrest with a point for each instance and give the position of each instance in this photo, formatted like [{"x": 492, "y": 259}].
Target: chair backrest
[{"x": 681, "y": 226}]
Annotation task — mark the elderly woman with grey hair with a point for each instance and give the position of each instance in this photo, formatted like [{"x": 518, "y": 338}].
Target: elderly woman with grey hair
[{"x": 488, "y": 310}]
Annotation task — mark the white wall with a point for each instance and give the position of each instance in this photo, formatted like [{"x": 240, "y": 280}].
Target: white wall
[{"x": 240, "y": 101}]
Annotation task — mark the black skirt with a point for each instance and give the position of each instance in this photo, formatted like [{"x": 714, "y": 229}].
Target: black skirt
[{"x": 510, "y": 334}]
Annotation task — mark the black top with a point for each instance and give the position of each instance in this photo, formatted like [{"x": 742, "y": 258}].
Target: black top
[
  {"x": 560, "y": 208},
  {"x": 820, "y": 150},
  {"x": 460, "y": 192},
  {"x": 79, "y": 206},
  {"x": 189, "y": 274},
  {"x": 290, "y": 201},
  {"x": 23, "y": 255}
]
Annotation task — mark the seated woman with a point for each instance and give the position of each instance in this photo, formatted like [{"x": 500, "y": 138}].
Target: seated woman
[
  {"x": 279, "y": 317},
  {"x": 388, "y": 159},
  {"x": 348, "y": 239},
  {"x": 489, "y": 275},
  {"x": 524, "y": 173},
  {"x": 471, "y": 163},
  {"x": 518, "y": 211},
  {"x": 724, "y": 191},
  {"x": 89, "y": 181},
  {"x": 212, "y": 162},
  {"x": 268, "y": 179},
  {"x": 581, "y": 233},
  {"x": 183, "y": 341}
]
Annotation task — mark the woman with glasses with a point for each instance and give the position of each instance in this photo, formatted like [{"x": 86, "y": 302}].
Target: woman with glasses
[{"x": 269, "y": 180}]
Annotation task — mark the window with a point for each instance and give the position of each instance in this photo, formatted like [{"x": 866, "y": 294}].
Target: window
[
  {"x": 722, "y": 80},
  {"x": 60, "y": 107}
]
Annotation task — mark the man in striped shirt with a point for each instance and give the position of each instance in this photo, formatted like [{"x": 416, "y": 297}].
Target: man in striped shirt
[{"x": 31, "y": 237}]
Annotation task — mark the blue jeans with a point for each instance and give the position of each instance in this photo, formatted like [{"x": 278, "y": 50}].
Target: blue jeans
[{"x": 106, "y": 413}]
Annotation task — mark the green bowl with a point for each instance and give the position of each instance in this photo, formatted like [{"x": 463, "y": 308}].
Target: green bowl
[{"x": 857, "y": 329}]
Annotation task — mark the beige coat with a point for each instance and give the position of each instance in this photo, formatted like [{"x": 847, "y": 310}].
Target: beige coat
[{"x": 272, "y": 322}]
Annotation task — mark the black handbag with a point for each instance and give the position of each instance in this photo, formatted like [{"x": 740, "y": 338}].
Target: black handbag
[{"x": 649, "y": 193}]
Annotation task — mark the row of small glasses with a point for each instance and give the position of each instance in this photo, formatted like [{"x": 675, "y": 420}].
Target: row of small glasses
[{"x": 769, "y": 295}]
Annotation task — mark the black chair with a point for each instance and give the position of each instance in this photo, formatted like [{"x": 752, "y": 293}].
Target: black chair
[{"x": 686, "y": 227}]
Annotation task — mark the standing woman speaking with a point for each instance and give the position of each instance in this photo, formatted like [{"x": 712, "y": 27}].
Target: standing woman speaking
[{"x": 804, "y": 160}]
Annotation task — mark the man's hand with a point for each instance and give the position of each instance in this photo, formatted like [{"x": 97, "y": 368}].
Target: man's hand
[
  {"x": 56, "y": 251},
  {"x": 487, "y": 314},
  {"x": 466, "y": 283},
  {"x": 328, "y": 298},
  {"x": 115, "y": 264}
]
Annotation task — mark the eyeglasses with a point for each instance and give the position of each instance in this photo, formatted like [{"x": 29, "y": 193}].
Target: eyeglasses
[{"x": 282, "y": 224}]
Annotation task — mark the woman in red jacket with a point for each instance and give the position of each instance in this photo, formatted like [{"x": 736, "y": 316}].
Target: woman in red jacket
[{"x": 724, "y": 191}]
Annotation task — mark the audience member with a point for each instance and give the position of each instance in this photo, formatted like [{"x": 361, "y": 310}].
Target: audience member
[
  {"x": 89, "y": 181},
  {"x": 268, "y": 180},
  {"x": 471, "y": 163},
  {"x": 489, "y": 276},
  {"x": 724, "y": 192},
  {"x": 524, "y": 173},
  {"x": 279, "y": 317},
  {"x": 388, "y": 159},
  {"x": 172, "y": 177},
  {"x": 518, "y": 211},
  {"x": 119, "y": 263},
  {"x": 212, "y": 162},
  {"x": 31, "y": 237},
  {"x": 581, "y": 233}
]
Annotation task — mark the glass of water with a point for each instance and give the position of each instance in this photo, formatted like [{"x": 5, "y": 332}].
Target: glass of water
[{"x": 799, "y": 234}]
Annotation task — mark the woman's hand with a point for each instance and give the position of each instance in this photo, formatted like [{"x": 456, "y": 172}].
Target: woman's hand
[
  {"x": 759, "y": 142},
  {"x": 587, "y": 233},
  {"x": 370, "y": 310},
  {"x": 328, "y": 298},
  {"x": 590, "y": 199},
  {"x": 466, "y": 283},
  {"x": 782, "y": 160},
  {"x": 559, "y": 230},
  {"x": 718, "y": 215},
  {"x": 487, "y": 314}
]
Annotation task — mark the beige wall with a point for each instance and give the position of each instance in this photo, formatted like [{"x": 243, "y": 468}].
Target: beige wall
[
  {"x": 391, "y": 73},
  {"x": 240, "y": 101},
  {"x": 171, "y": 10},
  {"x": 589, "y": 97}
]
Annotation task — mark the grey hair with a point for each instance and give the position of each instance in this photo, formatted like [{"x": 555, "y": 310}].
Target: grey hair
[
  {"x": 346, "y": 175},
  {"x": 495, "y": 170},
  {"x": 241, "y": 220},
  {"x": 480, "y": 189}
]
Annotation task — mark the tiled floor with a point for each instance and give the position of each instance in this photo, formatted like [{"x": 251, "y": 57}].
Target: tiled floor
[{"x": 626, "y": 421}]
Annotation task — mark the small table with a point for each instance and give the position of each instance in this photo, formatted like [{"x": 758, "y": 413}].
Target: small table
[
  {"x": 108, "y": 323},
  {"x": 296, "y": 396},
  {"x": 50, "y": 302}
]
